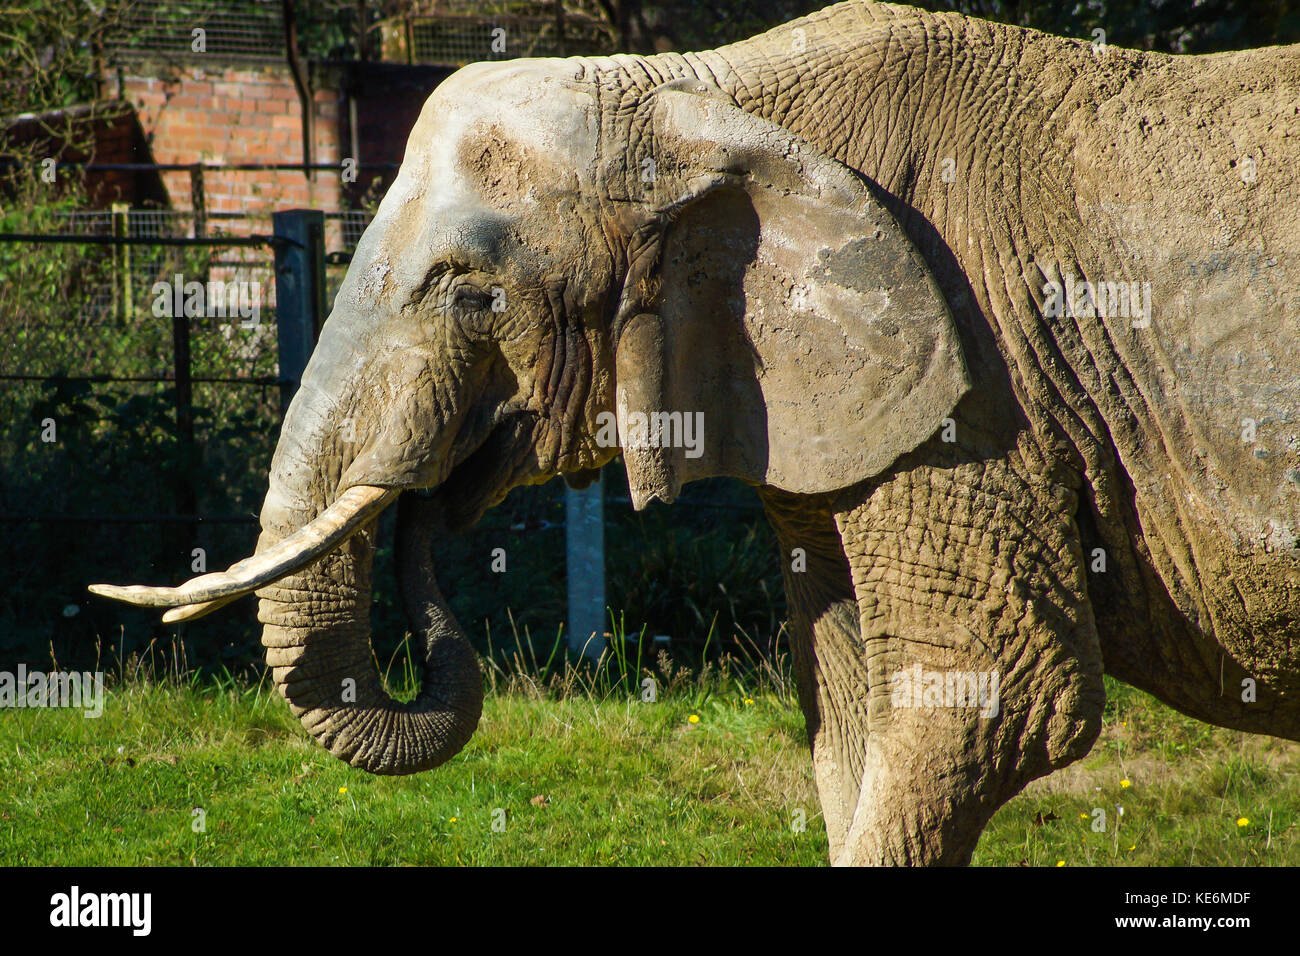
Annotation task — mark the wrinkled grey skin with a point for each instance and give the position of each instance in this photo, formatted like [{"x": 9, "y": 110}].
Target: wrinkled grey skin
[{"x": 833, "y": 240}]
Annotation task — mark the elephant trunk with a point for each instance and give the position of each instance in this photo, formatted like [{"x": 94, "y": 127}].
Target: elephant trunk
[{"x": 317, "y": 637}]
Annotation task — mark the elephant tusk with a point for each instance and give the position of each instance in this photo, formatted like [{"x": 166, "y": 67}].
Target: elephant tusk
[
  {"x": 353, "y": 509},
  {"x": 192, "y": 612}
]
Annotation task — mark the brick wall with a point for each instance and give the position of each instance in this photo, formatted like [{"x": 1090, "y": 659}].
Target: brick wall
[
  {"x": 389, "y": 98},
  {"x": 226, "y": 113},
  {"x": 237, "y": 115},
  {"x": 107, "y": 133}
]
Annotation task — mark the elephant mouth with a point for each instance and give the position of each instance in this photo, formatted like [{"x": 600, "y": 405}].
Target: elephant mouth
[
  {"x": 479, "y": 481},
  {"x": 485, "y": 476}
]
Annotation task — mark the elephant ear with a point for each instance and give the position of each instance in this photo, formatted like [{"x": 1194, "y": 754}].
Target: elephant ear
[{"x": 775, "y": 316}]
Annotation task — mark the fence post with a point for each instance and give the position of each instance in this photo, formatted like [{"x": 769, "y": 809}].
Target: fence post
[
  {"x": 186, "y": 497},
  {"x": 584, "y": 540},
  {"x": 123, "y": 286},
  {"x": 198, "y": 201},
  {"x": 299, "y": 291}
]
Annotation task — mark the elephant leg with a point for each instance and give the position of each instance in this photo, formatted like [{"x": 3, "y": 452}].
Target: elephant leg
[
  {"x": 829, "y": 664},
  {"x": 984, "y": 668}
]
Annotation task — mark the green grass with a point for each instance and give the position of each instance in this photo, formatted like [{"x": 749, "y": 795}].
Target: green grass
[
  {"x": 1183, "y": 786},
  {"x": 593, "y": 778},
  {"x": 580, "y": 781}
]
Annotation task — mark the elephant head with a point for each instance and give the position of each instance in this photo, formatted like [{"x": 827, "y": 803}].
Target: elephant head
[{"x": 562, "y": 270}]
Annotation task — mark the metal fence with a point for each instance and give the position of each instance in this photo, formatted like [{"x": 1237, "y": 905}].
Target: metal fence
[
  {"x": 449, "y": 34},
  {"x": 136, "y": 422},
  {"x": 460, "y": 39},
  {"x": 454, "y": 39},
  {"x": 240, "y": 29},
  {"x": 135, "y": 442}
]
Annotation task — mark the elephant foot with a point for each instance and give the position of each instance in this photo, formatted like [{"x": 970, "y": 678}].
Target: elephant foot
[
  {"x": 951, "y": 742},
  {"x": 917, "y": 807}
]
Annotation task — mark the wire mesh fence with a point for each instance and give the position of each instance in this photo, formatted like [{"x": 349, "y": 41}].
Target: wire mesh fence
[
  {"x": 117, "y": 301},
  {"x": 462, "y": 39},
  {"x": 139, "y": 404},
  {"x": 456, "y": 38},
  {"x": 447, "y": 33},
  {"x": 112, "y": 469},
  {"x": 246, "y": 29}
]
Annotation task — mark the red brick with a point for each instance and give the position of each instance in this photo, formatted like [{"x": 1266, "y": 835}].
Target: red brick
[
  {"x": 194, "y": 146},
  {"x": 169, "y": 134}
]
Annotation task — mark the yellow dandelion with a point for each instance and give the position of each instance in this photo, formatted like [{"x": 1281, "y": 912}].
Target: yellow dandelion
[
  {"x": 694, "y": 718},
  {"x": 1243, "y": 821},
  {"x": 452, "y": 820},
  {"x": 1083, "y": 816},
  {"x": 1060, "y": 863},
  {"x": 343, "y": 789},
  {"x": 749, "y": 700},
  {"x": 1125, "y": 784}
]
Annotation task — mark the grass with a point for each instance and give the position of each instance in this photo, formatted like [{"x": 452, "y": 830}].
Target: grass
[
  {"x": 1191, "y": 795},
  {"x": 568, "y": 771},
  {"x": 574, "y": 781}
]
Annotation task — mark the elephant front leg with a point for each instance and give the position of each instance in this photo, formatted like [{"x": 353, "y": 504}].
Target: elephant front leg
[
  {"x": 826, "y": 649},
  {"x": 983, "y": 663}
]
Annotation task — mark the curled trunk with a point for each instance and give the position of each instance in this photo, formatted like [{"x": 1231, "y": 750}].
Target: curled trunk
[{"x": 317, "y": 638}]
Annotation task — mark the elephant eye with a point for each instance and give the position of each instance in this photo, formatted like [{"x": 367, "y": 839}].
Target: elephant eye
[{"x": 469, "y": 298}]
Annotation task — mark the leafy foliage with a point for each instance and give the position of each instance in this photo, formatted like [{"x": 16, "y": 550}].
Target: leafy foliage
[{"x": 72, "y": 446}]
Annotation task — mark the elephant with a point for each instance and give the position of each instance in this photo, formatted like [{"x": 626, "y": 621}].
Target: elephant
[{"x": 1001, "y": 326}]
